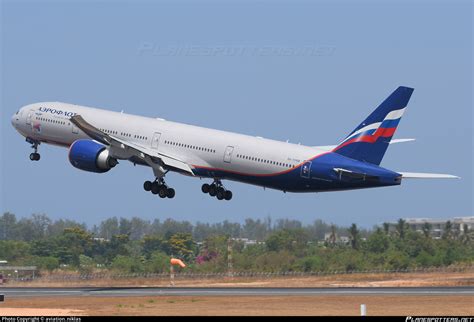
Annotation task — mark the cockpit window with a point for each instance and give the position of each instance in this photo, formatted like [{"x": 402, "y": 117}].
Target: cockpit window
[{"x": 17, "y": 112}]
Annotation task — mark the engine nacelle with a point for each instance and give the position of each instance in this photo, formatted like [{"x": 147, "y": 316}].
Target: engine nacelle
[{"x": 91, "y": 156}]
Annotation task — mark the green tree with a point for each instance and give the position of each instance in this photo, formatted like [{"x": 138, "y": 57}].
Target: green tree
[
  {"x": 8, "y": 226},
  {"x": 180, "y": 245},
  {"x": 255, "y": 229},
  {"x": 426, "y": 228},
  {"x": 44, "y": 247},
  {"x": 448, "y": 230},
  {"x": 86, "y": 264},
  {"x": 151, "y": 244},
  {"x": 48, "y": 263},
  {"x": 318, "y": 229},
  {"x": 333, "y": 236},
  {"x": 158, "y": 262},
  {"x": 117, "y": 246},
  {"x": 397, "y": 259},
  {"x": 288, "y": 239},
  {"x": 138, "y": 228},
  {"x": 127, "y": 264},
  {"x": 14, "y": 251},
  {"x": 467, "y": 236},
  {"x": 282, "y": 261},
  {"x": 401, "y": 228},
  {"x": 378, "y": 242},
  {"x": 354, "y": 236},
  {"x": 40, "y": 224},
  {"x": 109, "y": 228},
  {"x": 72, "y": 243}
]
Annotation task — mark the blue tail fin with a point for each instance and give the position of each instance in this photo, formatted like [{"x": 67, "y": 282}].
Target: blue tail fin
[{"x": 369, "y": 141}]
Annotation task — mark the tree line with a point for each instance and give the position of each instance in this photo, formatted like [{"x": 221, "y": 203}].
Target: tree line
[
  {"x": 38, "y": 226},
  {"x": 136, "y": 245}
]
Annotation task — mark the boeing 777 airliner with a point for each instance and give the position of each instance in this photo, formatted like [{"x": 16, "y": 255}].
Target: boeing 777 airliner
[{"x": 97, "y": 139}]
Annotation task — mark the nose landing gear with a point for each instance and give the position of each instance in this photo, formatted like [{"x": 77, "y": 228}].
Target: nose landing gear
[
  {"x": 35, "y": 156},
  {"x": 217, "y": 189}
]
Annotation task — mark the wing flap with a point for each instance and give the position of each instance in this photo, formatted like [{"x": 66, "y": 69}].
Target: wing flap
[{"x": 167, "y": 159}]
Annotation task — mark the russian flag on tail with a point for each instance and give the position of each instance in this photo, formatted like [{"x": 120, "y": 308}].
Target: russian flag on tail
[{"x": 369, "y": 141}]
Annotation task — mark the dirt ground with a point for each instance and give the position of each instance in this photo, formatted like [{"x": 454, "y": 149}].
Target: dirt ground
[
  {"x": 425, "y": 305},
  {"x": 414, "y": 305},
  {"x": 344, "y": 280}
]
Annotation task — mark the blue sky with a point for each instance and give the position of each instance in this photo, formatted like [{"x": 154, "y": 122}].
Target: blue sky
[{"x": 305, "y": 71}]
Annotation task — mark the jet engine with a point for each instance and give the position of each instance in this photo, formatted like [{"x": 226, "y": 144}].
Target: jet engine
[{"x": 91, "y": 156}]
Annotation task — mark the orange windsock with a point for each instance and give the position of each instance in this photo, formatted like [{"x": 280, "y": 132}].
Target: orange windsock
[{"x": 175, "y": 261}]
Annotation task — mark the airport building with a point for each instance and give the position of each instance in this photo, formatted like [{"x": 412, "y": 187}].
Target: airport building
[{"x": 437, "y": 227}]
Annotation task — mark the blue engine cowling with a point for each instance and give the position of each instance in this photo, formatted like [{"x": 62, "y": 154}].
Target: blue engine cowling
[{"x": 90, "y": 156}]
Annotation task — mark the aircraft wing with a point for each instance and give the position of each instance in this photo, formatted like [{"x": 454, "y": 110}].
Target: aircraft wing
[
  {"x": 332, "y": 147},
  {"x": 127, "y": 149},
  {"x": 416, "y": 175}
]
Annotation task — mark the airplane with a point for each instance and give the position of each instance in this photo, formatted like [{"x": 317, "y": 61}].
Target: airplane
[{"x": 98, "y": 139}]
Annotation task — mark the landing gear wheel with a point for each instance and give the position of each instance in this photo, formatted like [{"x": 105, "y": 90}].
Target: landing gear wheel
[
  {"x": 212, "y": 190},
  {"x": 163, "y": 191},
  {"x": 170, "y": 193},
  {"x": 155, "y": 188},
  {"x": 147, "y": 185},
  {"x": 217, "y": 189},
  {"x": 205, "y": 188},
  {"x": 220, "y": 194},
  {"x": 35, "y": 156}
]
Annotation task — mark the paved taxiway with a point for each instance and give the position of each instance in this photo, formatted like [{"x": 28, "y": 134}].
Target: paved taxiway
[{"x": 18, "y": 292}]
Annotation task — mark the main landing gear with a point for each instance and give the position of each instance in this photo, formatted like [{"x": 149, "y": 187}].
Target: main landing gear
[
  {"x": 216, "y": 189},
  {"x": 35, "y": 156},
  {"x": 159, "y": 187}
]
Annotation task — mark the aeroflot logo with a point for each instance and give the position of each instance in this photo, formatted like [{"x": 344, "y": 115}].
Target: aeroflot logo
[{"x": 55, "y": 111}]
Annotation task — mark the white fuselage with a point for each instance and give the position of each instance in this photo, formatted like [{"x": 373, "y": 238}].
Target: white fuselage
[{"x": 200, "y": 147}]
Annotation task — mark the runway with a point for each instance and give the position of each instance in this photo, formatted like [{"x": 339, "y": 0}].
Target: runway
[{"x": 19, "y": 292}]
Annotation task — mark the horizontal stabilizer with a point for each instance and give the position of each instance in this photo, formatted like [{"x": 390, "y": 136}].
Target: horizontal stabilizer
[
  {"x": 394, "y": 141},
  {"x": 332, "y": 147},
  {"x": 415, "y": 175}
]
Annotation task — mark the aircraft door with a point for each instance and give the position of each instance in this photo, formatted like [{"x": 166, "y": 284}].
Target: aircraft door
[
  {"x": 228, "y": 154},
  {"x": 155, "y": 141},
  {"x": 306, "y": 170},
  {"x": 28, "y": 118}
]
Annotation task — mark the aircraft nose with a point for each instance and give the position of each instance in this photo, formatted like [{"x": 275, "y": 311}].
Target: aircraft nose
[{"x": 13, "y": 120}]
